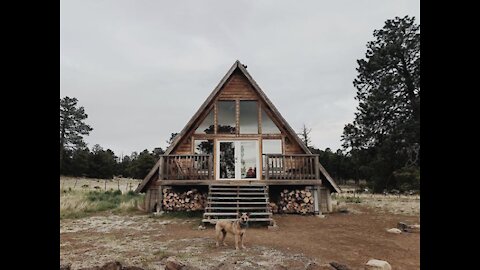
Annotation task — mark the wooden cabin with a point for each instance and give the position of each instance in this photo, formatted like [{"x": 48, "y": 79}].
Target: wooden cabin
[{"x": 241, "y": 153}]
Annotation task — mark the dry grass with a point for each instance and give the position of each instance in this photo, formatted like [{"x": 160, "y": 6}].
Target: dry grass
[
  {"x": 86, "y": 184},
  {"x": 81, "y": 202},
  {"x": 395, "y": 204}
]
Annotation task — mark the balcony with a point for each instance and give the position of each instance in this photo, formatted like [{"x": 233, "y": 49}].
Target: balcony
[
  {"x": 275, "y": 167},
  {"x": 290, "y": 167}
]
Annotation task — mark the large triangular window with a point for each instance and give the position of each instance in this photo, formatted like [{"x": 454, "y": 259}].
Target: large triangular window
[
  {"x": 207, "y": 126},
  {"x": 268, "y": 126}
]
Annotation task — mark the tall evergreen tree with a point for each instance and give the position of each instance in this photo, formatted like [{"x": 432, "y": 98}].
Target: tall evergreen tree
[
  {"x": 102, "y": 163},
  {"x": 72, "y": 126},
  {"x": 386, "y": 128}
]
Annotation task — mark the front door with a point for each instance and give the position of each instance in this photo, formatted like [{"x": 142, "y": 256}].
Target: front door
[{"x": 237, "y": 159}]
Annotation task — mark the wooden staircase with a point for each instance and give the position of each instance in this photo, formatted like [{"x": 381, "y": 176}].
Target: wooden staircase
[{"x": 224, "y": 202}]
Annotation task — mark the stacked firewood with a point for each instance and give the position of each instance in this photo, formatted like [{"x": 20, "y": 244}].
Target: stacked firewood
[
  {"x": 295, "y": 201},
  {"x": 191, "y": 200},
  {"x": 273, "y": 207}
]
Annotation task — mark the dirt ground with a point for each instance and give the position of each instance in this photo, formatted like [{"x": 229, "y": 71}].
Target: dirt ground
[{"x": 348, "y": 238}]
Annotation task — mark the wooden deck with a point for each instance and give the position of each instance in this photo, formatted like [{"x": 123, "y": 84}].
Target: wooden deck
[{"x": 237, "y": 182}]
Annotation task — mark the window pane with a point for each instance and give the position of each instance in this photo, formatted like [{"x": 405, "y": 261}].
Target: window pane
[
  {"x": 227, "y": 160},
  {"x": 248, "y": 159},
  {"x": 203, "y": 147},
  {"x": 206, "y": 127},
  {"x": 268, "y": 127},
  {"x": 226, "y": 117},
  {"x": 271, "y": 146},
  {"x": 248, "y": 117}
]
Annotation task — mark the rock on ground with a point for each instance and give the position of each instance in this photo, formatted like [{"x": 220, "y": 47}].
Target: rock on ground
[
  {"x": 316, "y": 266},
  {"x": 394, "y": 230},
  {"x": 339, "y": 266},
  {"x": 374, "y": 264},
  {"x": 173, "y": 264}
]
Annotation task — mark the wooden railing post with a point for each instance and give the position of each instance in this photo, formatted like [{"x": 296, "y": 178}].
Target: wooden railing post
[
  {"x": 317, "y": 172},
  {"x": 210, "y": 167},
  {"x": 267, "y": 169}
]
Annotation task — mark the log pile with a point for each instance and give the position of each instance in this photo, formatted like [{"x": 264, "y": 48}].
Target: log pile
[
  {"x": 191, "y": 200},
  {"x": 296, "y": 201},
  {"x": 274, "y": 207}
]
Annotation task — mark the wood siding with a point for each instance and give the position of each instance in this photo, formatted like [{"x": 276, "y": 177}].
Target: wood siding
[
  {"x": 292, "y": 147},
  {"x": 238, "y": 87},
  {"x": 152, "y": 198},
  {"x": 185, "y": 146}
]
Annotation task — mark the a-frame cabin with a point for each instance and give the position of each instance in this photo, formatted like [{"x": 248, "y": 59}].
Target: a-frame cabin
[{"x": 238, "y": 142}]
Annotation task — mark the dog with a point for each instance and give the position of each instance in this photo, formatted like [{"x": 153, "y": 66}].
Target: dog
[{"x": 237, "y": 228}]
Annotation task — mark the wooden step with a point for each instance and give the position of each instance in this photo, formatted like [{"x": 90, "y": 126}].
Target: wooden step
[
  {"x": 235, "y": 189},
  {"x": 234, "y": 214},
  {"x": 213, "y": 221},
  {"x": 239, "y": 193},
  {"x": 241, "y": 185},
  {"x": 219, "y": 202},
  {"x": 237, "y": 198},
  {"x": 235, "y": 208}
]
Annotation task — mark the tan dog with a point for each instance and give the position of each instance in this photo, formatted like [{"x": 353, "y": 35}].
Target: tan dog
[{"x": 237, "y": 228}]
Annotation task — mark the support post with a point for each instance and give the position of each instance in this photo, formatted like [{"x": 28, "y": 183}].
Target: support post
[
  {"x": 316, "y": 197},
  {"x": 329, "y": 201},
  {"x": 160, "y": 198},
  {"x": 210, "y": 167},
  {"x": 317, "y": 172}
]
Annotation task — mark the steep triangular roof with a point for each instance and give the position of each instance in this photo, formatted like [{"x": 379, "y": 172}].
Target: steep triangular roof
[{"x": 236, "y": 66}]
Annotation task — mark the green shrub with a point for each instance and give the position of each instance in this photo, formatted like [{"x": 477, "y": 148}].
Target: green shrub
[
  {"x": 407, "y": 178},
  {"x": 350, "y": 199}
]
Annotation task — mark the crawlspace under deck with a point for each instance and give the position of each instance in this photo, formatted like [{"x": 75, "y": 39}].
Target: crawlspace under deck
[{"x": 236, "y": 182}]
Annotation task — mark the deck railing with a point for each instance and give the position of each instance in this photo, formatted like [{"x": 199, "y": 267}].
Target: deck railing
[
  {"x": 294, "y": 167},
  {"x": 275, "y": 166},
  {"x": 187, "y": 167}
]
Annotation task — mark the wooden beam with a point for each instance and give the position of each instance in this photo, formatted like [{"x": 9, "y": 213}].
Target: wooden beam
[
  {"x": 160, "y": 198},
  {"x": 239, "y": 182},
  {"x": 316, "y": 197}
]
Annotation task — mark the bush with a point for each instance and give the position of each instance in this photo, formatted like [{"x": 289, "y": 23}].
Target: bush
[
  {"x": 407, "y": 178},
  {"x": 353, "y": 200}
]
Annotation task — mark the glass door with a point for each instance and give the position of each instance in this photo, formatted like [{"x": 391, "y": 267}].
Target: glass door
[
  {"x": 226, "y": 160},
  {"x": 237, "y": 159}
]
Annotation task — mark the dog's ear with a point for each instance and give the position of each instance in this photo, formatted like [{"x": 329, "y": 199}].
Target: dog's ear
[
  {"x": 248, "y": 214},
  {"x": 238, "y": 215}
]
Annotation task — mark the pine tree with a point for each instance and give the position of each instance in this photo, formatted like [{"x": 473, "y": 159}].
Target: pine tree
[
  {"x": 386, "y": 128},
  {"x": 72, "y": 127}
]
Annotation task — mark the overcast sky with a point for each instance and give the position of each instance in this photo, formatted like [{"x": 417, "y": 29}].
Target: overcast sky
[{"x": 141, "y": 69}]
